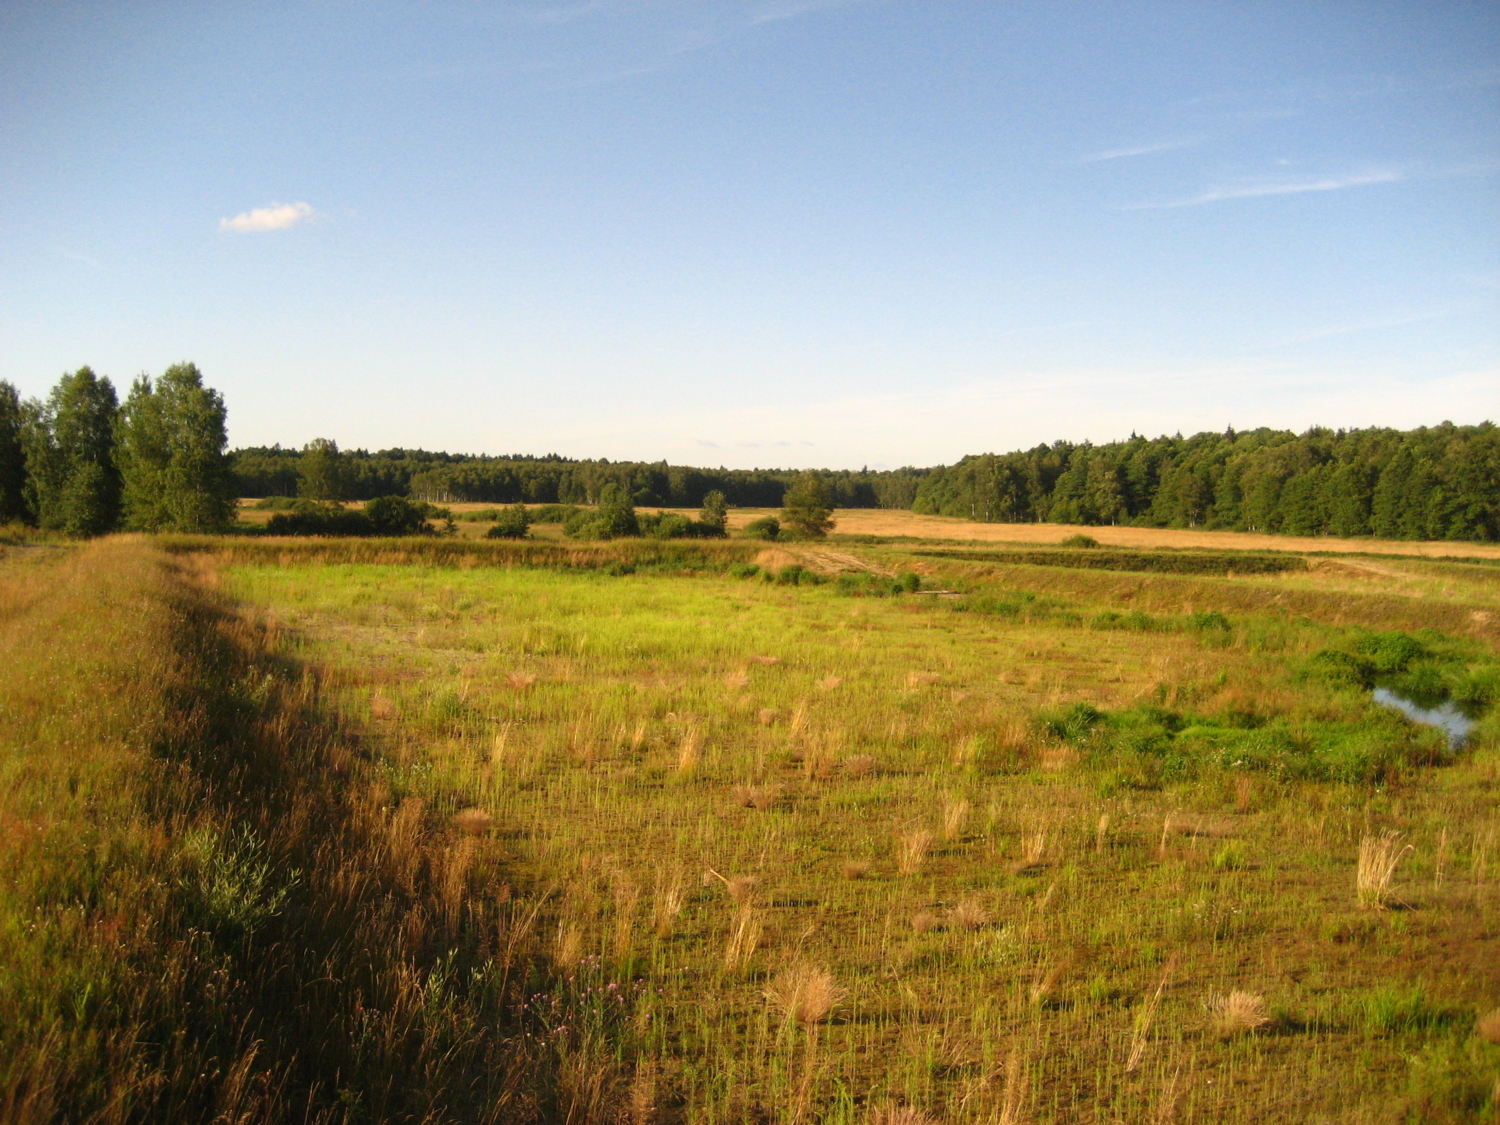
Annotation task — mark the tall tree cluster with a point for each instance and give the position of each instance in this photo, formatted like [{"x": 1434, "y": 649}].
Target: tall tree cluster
[
  {"x": 81, "y": 463},
  {"x": 1440, "y": 482}
]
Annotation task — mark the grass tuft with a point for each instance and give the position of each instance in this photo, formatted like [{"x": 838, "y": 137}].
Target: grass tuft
[
  {"x": 1378, "y": 858},
  {"x": 1240, "y": 1011},
  {"x": 805, "y": 994}
]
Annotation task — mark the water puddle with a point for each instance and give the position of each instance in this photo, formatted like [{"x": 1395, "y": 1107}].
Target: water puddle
[{"x": 1444, "y": 714}]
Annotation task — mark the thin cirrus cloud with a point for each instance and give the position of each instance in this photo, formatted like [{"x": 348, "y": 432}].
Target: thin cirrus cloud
[
  {"x": 278, "y": 216},
  {"x": 1135, "y": 150},
  {"x": 1283, "y": 187}
]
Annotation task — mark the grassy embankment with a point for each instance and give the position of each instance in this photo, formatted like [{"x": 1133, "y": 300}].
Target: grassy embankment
[
  {"x": 211, "y": 908},
  {"x": 1075, "y": 845}
]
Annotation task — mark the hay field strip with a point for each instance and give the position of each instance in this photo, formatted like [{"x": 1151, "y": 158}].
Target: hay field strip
[
  {"x": 853, "y": 856},
  {"x": 884, "y": 523}
]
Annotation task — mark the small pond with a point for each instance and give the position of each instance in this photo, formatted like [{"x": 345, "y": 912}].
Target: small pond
[{"x": 1444, "y": 713}]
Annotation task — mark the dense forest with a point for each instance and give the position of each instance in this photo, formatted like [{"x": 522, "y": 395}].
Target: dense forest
[
  {"x": 82, "y": 462},
  {"x": 445, "y": 478},
  {"x": 1441, "y": 482}
]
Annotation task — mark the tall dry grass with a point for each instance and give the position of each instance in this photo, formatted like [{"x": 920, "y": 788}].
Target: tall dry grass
[{"x": 215, "y": 908}]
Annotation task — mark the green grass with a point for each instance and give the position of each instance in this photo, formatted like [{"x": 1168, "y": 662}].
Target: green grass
[
  {"x": 455, "y": 831},
  {"x": 628, "y": 736}
]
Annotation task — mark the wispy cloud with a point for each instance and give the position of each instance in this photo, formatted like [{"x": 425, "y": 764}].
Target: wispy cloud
[
  {"x": 1276, "y": 187},
  {"x": 278, "y": 216},
  {"x": 92, "y": 263},
  {"x": 1399, "y": 321},
  {"x": 1136, "y": 150},
  {"x": 787, "y": 10}
]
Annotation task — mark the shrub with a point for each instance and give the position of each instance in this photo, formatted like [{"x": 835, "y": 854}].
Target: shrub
[
  {"x": 1207, "y": 622},
  {"x": 1079, "y": 540},
  {"x": 1390, "y": 652},
  {"x": 1072, "y": 724},
  {"x": 396, "y": 515},
  {"x": 320, "y": 521},
  {"x": 1337, "y": 667},
  {"x": 554, "y": 513},
  {"x": 767, "y": 527},
  {"x": 796, "y": 575},
  {"x": 585, "y": 524},
  {"x": 743, "y": 569},
  {"x": 512, "y": 523},
  {"x": 283, "y": 504},
  {"x": 908, "y": 582}
]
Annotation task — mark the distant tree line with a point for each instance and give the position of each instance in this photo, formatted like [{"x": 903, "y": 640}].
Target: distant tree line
[
  {"x": 444, "y": 478},
  {"x": 1440, "y": 482},
  {"x": 82, "y": 463}
]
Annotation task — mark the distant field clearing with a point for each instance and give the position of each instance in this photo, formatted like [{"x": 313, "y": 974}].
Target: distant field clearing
[{"x": 886, "y": 522}]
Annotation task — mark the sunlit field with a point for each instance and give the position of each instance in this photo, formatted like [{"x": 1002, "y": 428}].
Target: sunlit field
[{"x": 1038, "y": 845}]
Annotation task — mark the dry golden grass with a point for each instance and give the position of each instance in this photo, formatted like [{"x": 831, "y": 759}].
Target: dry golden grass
[
  {"x": 745, "y": 933},
  {"x": 861, "y": 521},
  {"x": 902, "y": 1115},
  {"x": 969, "y": 914},
  {"x": 667, "y": 902},
  {"x": 473, "y": 821},
  {"x": 805, "y": 994},
  {"x": 1488, "y": 1026},
  {"x": 858, "y": 765},
  {"x": 1239, "y": 1011},
  {"x": 855, "y": 868},
  {"x": 755, "y": 796},
  {"x": 955, "y": 816},
  {"x": 1139, "y": 1038},
  {"x": 641, "y": 1106},
  {"x": 911, "y": 851},
  {"x": 1378, "y": 859}
]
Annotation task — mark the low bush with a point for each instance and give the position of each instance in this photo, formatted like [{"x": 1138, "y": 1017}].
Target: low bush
[
  {"x": 283, "y": 504},
  {"x": 553, "y": 513},
  {"x": 386, "y": 516},
  {"x": 767, "y": 527},
  {"x": 673, "y": 525}
]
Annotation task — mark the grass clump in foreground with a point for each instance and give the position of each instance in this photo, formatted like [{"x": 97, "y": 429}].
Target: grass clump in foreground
[{"x": 801, "y": 856}]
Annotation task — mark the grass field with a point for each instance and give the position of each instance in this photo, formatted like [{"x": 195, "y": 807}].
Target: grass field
[
  {"x": 675, "y": 841},
  {"x": 900, "y": 524}
]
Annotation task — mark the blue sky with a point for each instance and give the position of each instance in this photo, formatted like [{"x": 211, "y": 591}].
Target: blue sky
[{"x": 759, "y": 232}]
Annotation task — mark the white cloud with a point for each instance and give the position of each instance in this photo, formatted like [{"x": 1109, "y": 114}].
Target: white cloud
[
  {"x": 1283, "y": 187},
  {"x": 1137, "y": 150},
  {"x": 278, "y": 216}
]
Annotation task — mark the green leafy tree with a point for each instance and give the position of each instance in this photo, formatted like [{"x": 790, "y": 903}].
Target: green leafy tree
[
  {"x": 807, "y": 507},
  {"x": 72, "y": 484},
  {"x": 324, "y": 477},
  {"x": 616, "y": 513},
  {"x": 715, "y": 513},
  {"x": 12, "y": 457},
  {"x": 173, "y": 468},
  {"x": 513, "y": 522}
]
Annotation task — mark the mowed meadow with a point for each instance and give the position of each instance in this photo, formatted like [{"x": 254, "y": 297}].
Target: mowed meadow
[{"x": 863, "y": 831}]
